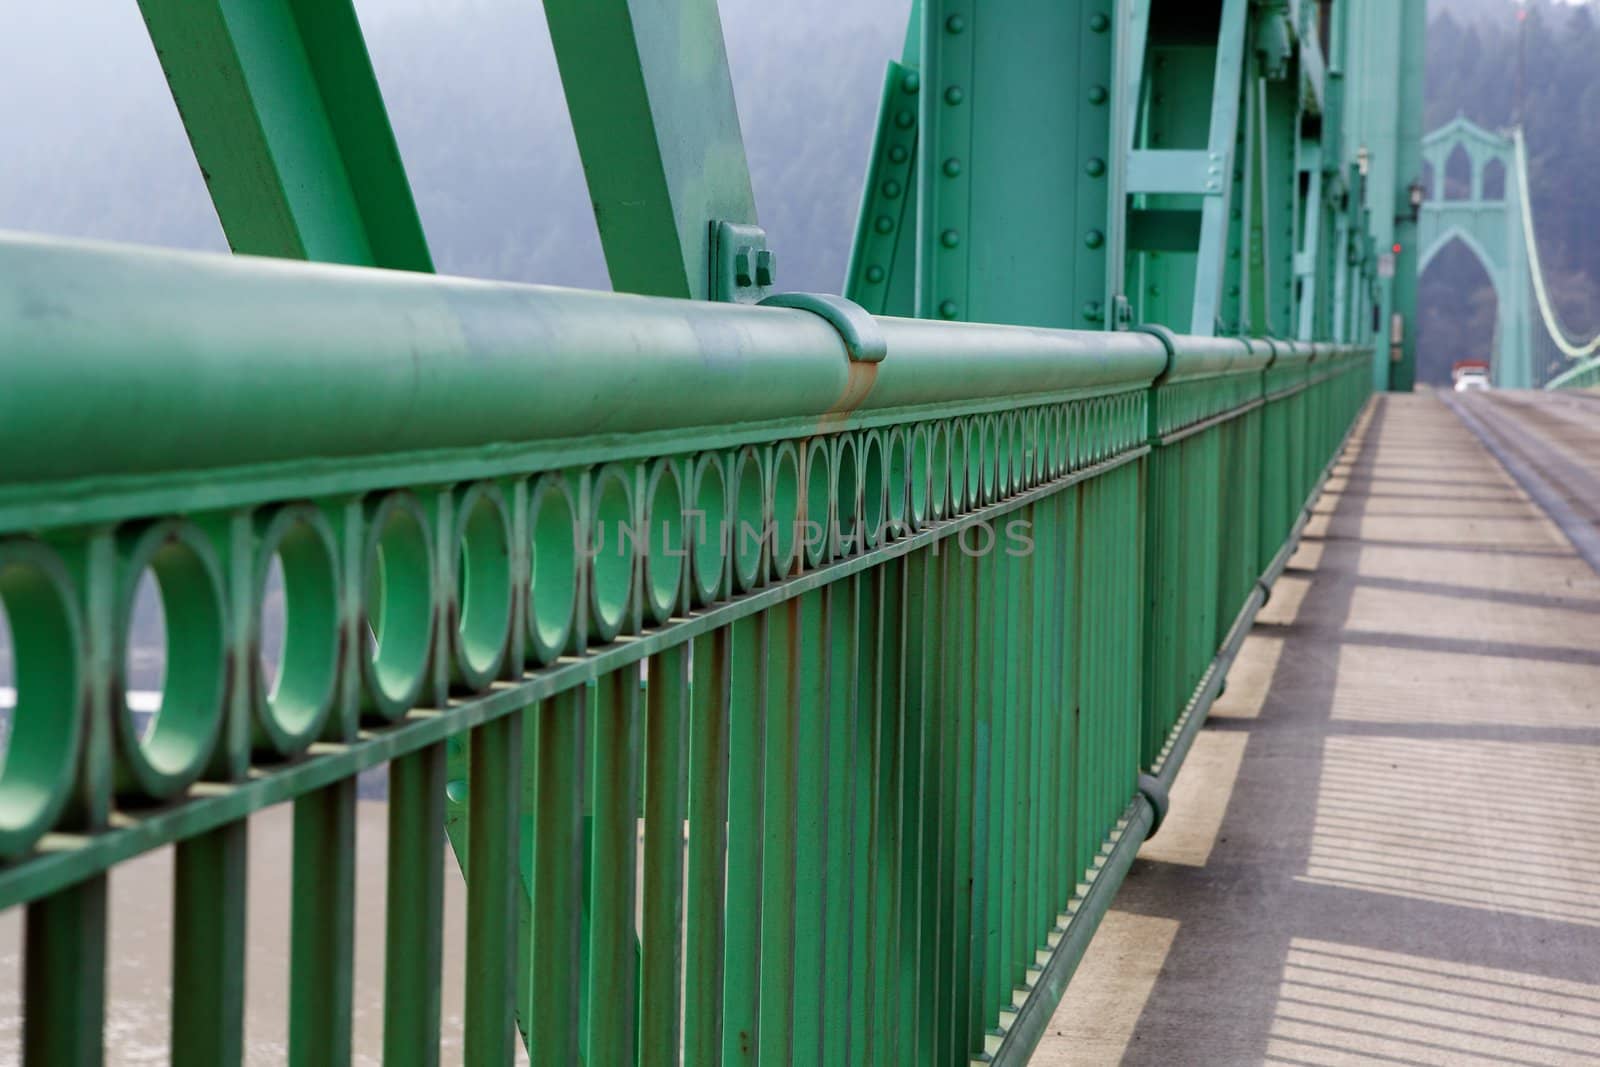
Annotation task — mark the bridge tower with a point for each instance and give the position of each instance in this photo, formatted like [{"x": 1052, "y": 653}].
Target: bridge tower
[{"x": 1491, "y": 227}]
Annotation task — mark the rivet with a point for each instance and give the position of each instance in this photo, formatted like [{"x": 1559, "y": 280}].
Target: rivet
[
  {"x": 891, "y": 188},
  {"x": 952, "y": 167},
  {"x": 1099, "y": 23},
  {"x": 949, "y": 238},
  {"x": 1098, "y": 95},
  {"x": 1092, "y": 311},
  {"x": 904, "y": 120},
  {"x": 1095, "y": 167},
  {"x": 948, "y": 309},
  {"x": 898, "y": 154},
  {"x": 1238, "y": 214},
  {"x": 955, "y": 24},
  {"x": 1155, "y": 290},
  {"x": 1233, "y": 290},
  {"x": 456, "y": 790},
  {"x": 912, "y": 82},
  {"x": 1094, "y": 238},
  {"x": 883, "y": 224},
  {"x": 874, "y": 274},
  {"x": 953, "y": 95}
]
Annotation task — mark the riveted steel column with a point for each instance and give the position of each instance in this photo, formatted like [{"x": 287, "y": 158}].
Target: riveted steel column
[
  {"x": 652, "y": 106},
  {"x": 287, "y": 123},
  {"x": 1013, "y": 190}
]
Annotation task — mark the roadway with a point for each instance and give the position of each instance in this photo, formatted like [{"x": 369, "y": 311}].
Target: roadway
[{"x": 1383, "y": 847}]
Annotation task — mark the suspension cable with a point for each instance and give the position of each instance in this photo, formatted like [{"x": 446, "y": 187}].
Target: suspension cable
[{"x": 1547, "y": 311}]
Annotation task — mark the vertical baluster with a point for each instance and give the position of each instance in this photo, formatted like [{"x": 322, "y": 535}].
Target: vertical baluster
[
  {"x": 64, "y": 977},
  {"x": 778, "y": 847},
  {"x": 613, "y": 945},
  {"x": 555, "y": 957},
  {"x": 322, "y": 925},
  {"x": 208, "y": 946},
  {"x": 968, "y": 810},
  {"x": 886, "y": 977},
  {"x": 839, "y": 666},
  {"x": 860, "y": 803},
  {"x": 666, "y": 722},
  {"x": 413, "y": 943},
  {"x": 708, "y": 843},
  {"x": 809, "y": 691},
  {"x": 494, "y": 787},
  {"x": 746, "y": 790},
  {"x": 920, "y": 937}
]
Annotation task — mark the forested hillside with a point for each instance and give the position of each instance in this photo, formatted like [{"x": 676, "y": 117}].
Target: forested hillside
[{"x": 1472, "y": 70}]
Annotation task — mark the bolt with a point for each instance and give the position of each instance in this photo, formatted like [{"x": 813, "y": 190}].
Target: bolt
[
  {"x": 874, "y": 274},
  {"x": 1098, "y": 95},
  {"x": 948, "y": 309},
  {"x": 1099, "y": 23},
  {"x": 904, "y": 120},
  {"x": 1093, "y": 312},
  {"x": 955, "y": 24},
  {"x": 912, "y": 82},
  {"x": 952, "y": 167},
  {"x": 891, "y": 188},
  {"x": 1095, "y": 167},
  {"x": 898, "y": 154},
  {"x": 953, "y": 95},
  {"x": 766, "y": 268},
  {"x": 741, "y": 267},
  {"x": 950, "y": 238},
  {"x": 1094, "y": 238}
]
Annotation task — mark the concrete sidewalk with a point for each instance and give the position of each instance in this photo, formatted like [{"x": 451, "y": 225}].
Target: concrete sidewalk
[{"x": 1385, "y": 845}]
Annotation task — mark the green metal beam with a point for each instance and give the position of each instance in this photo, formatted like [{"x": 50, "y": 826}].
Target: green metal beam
[
  {"x": 1014, "y": 190},
  {"x": 1220, "y": 142},
  {"x": 288, "y": 125},
  {"x": 651, "y": 100}
]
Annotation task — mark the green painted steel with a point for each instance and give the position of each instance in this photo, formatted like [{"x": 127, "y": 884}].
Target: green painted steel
[
  {"x": 651, "y": 100},
  {"x": 289, "y": 128},
  {"x": 986, "y": 495},
  {"x": 893, "y": 631}
]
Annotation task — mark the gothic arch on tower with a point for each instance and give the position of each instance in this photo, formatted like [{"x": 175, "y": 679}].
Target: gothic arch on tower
[{"x": 1490, "y": 226}]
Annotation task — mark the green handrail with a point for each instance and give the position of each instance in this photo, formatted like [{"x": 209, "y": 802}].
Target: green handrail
[{"x": 967, "y": 594}]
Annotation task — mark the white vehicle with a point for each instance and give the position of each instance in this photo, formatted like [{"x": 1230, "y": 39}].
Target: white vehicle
[{"x": 1469, "y": 380}]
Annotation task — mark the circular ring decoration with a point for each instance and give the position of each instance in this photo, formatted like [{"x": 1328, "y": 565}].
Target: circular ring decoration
[
  {"x": 873, "y": 506},
  {"x": 553, "y": 568},
  {"x": 47, "y": 719},
  {"x": 397, "y": 606},
  {"x": 611, "y": 552},
  {"x": 958, "y": 468},
  {"x": 919, "y": 501},
  {"x": 175, "y": 747},
  {"x": 708, "y": 535},
  {"x": 1018, "y": 480},
  {"x": 483, "y": 584},
  {"x": 818, "y": 501},
  {"x": 787, "y": 534},
  {"x": 846, "y": 498},
  {"x": 938, "y": 471},
  {"x": 664, "y": 560},
  {"x": 747, "y": 531},
  {"x": 977, "y": 446},
  {"x": 993, "y": 459},
  {"x": 897, "y": 484},
  {"x": 290, "y": 713}
]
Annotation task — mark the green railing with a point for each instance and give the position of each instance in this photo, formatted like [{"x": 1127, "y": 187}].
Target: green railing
[
  {"x": 1583, "y": 375},
  {"x": 877, "y": 635}
]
